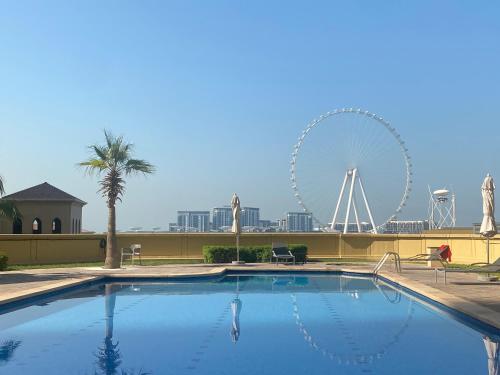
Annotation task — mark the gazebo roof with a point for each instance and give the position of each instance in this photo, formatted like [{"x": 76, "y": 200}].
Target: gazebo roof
[{"x": 43, "y": 192}]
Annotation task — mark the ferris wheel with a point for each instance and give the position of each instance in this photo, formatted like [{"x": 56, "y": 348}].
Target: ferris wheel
[{"x": 353, "y": 161}]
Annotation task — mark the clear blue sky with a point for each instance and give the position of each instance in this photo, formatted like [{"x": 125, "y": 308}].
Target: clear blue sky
[{"x": 204, "y": 88}]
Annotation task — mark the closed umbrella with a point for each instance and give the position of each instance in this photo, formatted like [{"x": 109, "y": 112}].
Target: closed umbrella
[
  {"x": 236, "y": 310},
  {"x": 236, "y": 229},
  {"x": 488, "y": 226},
  {"x": 235, "y": 324},
  {"x": 493, "y": 351}
]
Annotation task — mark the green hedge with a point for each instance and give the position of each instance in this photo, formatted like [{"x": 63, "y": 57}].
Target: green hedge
[
  {"x": 3, "y": 261},
  {"x": 249, "y": 254}
]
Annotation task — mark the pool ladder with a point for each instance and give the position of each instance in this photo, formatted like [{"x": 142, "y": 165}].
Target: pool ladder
[{"x": 387, "y": 255}]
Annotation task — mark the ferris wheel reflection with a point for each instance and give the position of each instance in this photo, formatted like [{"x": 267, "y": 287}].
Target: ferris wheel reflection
[{"x": 361, "y": 358}]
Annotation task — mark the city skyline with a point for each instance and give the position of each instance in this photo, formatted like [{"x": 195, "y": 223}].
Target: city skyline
[{"x": 218, "y": 107}]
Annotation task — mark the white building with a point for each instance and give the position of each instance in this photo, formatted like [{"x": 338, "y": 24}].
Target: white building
[
  {"x": 299, "y": 222},
  {"x": 250, "y": 217},
  {"x": 193, "y": 221},
  {"x": 222, "y": 217}
]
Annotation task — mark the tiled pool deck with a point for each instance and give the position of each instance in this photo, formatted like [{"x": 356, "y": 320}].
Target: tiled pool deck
[{"x": 462, "y": 292}]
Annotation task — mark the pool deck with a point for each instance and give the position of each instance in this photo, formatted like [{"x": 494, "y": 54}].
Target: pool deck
[{"x": 463, "y": 291}]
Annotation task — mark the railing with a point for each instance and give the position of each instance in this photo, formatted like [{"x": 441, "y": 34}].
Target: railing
[{"x": 387, "y": 255}]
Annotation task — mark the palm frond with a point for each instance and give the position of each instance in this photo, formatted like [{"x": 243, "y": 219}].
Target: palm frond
[
  {"x": 93, "y": 165},
  {"x": 139, "y": 166},
  {"x": 100, "y": 151},
  {"x": 2, "y": 189},
  {"x": 109, "y": 138},
  {"x": 8, "y": 210}
]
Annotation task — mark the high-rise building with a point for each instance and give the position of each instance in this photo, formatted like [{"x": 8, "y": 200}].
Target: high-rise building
[
  {"x": 264, "y": 223},
  {"x": 250, "y": 216},
  {"x": 193, "y": 221},
  {"x": 353, "y": 227},
  {"x": 409, "y": 226},
  {"x": 299, "y": 222},
  {"x": 222, "y": 217},
  {"x": 280, "y": 225}
]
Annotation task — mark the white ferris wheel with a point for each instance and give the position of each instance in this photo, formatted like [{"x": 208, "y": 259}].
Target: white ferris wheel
[{"x": 351, "y": 171}]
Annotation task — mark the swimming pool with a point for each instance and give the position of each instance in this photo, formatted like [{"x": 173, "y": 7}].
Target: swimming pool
[{"x": 241, "y": 324}]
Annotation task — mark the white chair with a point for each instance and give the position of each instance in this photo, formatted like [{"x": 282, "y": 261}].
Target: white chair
[{"x": 132, "y": 251}]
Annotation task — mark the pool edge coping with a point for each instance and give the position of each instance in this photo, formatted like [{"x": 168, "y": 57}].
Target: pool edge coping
[{"x": 469, "y": 308}]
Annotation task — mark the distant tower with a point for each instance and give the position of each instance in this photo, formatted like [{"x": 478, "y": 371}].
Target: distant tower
[{"x": 442, "y": 209}]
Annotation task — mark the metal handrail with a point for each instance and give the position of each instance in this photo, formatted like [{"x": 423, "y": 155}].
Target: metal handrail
[{"x": 387, "y": 255}]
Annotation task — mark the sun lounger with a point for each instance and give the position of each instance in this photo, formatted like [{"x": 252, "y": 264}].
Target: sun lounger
[
  {"x": 281, "y": 251},
  {"x": 490, "y": 268},
  {"x": 443, "y": 254}
]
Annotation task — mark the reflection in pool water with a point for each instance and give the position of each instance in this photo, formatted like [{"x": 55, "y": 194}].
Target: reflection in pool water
[
  {"x": 108, "y": 355},
  {"x": 236, "y": 306}
]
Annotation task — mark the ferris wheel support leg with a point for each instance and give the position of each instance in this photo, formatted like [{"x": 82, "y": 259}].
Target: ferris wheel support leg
[
  {"x": 354, "y": 205},
  {"x": 341, "y": 196},
  {"x": 349, "y": 202},
  {"x": 367, "y": 205}
]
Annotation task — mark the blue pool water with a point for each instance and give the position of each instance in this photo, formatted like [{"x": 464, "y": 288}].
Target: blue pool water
[{"x": 241, "y": 324}]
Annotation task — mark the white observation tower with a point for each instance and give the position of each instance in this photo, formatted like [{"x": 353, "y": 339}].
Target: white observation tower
[{"x": 442, "y": 209}]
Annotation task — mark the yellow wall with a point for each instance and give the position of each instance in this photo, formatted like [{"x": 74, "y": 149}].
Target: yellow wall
[{"x": 32, "y": 249}]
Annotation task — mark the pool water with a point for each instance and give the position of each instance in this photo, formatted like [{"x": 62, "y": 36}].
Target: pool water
[{"x": 241, "y": 324}]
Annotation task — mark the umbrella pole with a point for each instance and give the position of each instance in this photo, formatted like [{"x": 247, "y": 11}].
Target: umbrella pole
[
  {"x": 488, "y": 250},
  {"x": 238, "y": 248}
]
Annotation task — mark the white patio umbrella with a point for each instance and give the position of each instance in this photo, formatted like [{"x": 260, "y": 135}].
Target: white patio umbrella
[
  {"x": 493, "y": 351},
  {"x": 236, "y": 228},
  {"x": 488, "y": 226}
]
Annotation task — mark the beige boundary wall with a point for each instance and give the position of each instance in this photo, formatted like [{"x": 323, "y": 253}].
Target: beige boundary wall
[{"x": 32, "y": 249}]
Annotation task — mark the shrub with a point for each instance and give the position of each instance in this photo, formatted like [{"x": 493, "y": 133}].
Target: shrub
[
  {"x": 3, "y": 261},
  {"x": 263, "y": 253},
  {"x": 226, "y": 254},
  {"x": 219, "y": 254},
  {"x": 249, "y": 254}
]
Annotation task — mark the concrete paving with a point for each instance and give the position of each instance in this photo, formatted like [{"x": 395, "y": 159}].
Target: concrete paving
[{"x": 462, "y": 292}]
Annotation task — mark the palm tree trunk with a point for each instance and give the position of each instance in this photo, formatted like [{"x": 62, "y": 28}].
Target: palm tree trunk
[{"x": 112, "y": 256}]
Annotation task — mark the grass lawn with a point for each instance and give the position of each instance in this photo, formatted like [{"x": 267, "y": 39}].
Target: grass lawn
[
  {"x": 145, "y": 262},
  {"x": 343, "y": 260}
]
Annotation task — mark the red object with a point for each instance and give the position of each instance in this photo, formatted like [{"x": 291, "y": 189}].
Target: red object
[{"x": 445, "y": 252}]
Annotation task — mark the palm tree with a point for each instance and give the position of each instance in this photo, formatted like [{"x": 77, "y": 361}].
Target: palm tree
[
  {"x": 8, "y": 209},
  {"x": 114, "y": 161}
]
